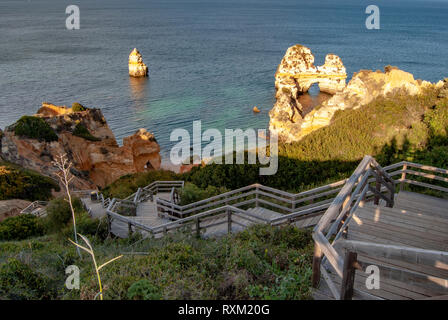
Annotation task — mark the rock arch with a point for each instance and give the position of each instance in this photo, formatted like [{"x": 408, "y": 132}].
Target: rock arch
[{"x": 297, "y": 69}]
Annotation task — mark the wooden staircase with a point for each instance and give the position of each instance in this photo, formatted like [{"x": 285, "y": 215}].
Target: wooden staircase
[
  {"x": 416, "y": 221},
  {"x": 402, "y": 237}
]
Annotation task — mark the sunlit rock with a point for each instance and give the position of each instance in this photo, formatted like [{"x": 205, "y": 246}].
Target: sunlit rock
[{"x": 136, "y": 66}]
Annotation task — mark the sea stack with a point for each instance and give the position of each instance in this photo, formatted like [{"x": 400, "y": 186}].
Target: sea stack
[{"x": 136, "y": 66}]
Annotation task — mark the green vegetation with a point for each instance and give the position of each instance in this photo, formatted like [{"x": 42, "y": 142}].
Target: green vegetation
[
  {"x": 260, "y": 263},
  {"x": 19, "y": 281},
  {"x": 128, "y": 184},
  {"x": 59, "y": 220},
  {"x": 19, "y": 183},
  {"x": 191, "y": 193},
  {"x": 34, "y": 128},
  {"x": 20, "y": 227},
  {"x": 81, "y": 131},
  {"x": 77, "y": 107}
]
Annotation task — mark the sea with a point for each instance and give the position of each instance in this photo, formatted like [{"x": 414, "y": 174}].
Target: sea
[{"x": 209, "y": 60}]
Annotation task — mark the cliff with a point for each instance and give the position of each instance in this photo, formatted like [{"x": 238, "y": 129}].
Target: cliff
[
  {"x": 297, "y": 73},
  {"x": 86, "y": 139}
]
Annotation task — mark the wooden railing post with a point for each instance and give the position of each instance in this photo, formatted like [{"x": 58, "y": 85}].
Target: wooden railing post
[
  {"x": 256, "y": 196},
  {"x": 109, "y": 225},
  {"x": 229, "y": 221},
  {"x": 317, "y": 259},
  {"x": 403, "y": 177},
  {"x": 378, "y": 189},
  {"x": 198, "y": 230},
  {"x": 348, "y": 276},
  {"x": 129, "y": 229}
]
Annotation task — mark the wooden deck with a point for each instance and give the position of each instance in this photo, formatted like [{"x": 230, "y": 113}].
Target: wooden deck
[{"x": 416, "y": 221}]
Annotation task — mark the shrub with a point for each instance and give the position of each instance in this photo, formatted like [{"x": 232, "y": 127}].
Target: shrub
[
  {"x": 20, "y": 227},
  {"x": 144, "y": 290},
  {"x": 19, "y": 281},
  {"x": 87, "y": 226},
  {"x": 437, "y": 120},
  {"x": 77, "y": 107},
  {"x": 81, "y": 131},
  {"x": 191, "y": 193},
  {"x": 59, "y": 214},
  {"x": 20, "y": 183},
  {"x": 35, "y": 128}
]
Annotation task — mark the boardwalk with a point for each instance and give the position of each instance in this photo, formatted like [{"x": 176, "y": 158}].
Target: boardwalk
[
  {"x": 417, "y": 221},
  {"x": 396, "y": 248}
]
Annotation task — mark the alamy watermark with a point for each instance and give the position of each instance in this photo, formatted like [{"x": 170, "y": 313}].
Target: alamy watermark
[
  {"x": 188, "y": 147},
  {"x": 72, "y": 281},
  {"x": 373, "y": 278},
  {"x": 73, "y": 21},
  {"x": 373, "y": 20}
]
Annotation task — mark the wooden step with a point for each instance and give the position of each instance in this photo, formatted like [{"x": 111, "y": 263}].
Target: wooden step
[
  {"x": 429, "y": 205},
  {"x": 378, "y": 224}
]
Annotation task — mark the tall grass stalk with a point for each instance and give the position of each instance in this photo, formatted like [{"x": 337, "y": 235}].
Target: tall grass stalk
[{"x": 90, "y": 251}]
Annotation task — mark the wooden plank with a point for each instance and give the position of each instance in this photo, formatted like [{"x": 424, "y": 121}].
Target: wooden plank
[
  {"x": 388, "y": 288},
  {"x": 412, "y": 217},
  {"x": 411, "y": 241},
  {"x": 385, "y": 292},
  {"x": 437, "y": 286},
  {"x": 422, "y": 230},
  {"x": 414, "y": 195},
  {"x": 401, "y": 222},
  {"x": 421, "y": 269},
  {"x": 423, "y": 224}
]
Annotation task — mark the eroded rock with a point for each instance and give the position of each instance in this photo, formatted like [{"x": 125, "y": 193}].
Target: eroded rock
[
  {"x": 294, "y": 77},
  {"x": 136, "y": 66},
  {"x": 286, "y": 117},
  {"x": 97, "y": 162}
]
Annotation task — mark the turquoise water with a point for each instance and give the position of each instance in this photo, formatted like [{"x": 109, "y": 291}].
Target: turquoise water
[{"x": 209, "y": 60}]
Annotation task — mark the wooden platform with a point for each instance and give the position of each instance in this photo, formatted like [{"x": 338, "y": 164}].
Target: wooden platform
[{"x": 417, "y": 221}]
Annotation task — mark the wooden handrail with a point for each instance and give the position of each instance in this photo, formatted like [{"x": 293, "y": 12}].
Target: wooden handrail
[
  {"x": 432, "y": 258},
  {"x": 339, "y": 213}
]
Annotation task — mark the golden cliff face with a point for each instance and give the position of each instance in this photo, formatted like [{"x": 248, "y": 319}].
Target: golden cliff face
[
  {"x": 96, "y": 163},
  {"x": 136, "y": 66},
  {"x": 286, "y": 118},
  {"x": 295, "y": 75}
]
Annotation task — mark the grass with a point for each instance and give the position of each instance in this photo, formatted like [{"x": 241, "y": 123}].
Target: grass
[{"x": 260, "y": 263}]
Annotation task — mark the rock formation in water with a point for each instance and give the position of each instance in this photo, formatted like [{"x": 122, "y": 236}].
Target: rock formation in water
[
  {"x": 136, "y": 66},
  {"x": 88, "y": 142},
  {"x": 286, "y": 117},
  {"x": 295, "y": 75}
]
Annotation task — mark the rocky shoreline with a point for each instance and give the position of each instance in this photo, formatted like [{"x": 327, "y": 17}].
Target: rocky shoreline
[
  {"x": 295, "y": 75},
  {"x": 84, "y": 135}
]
